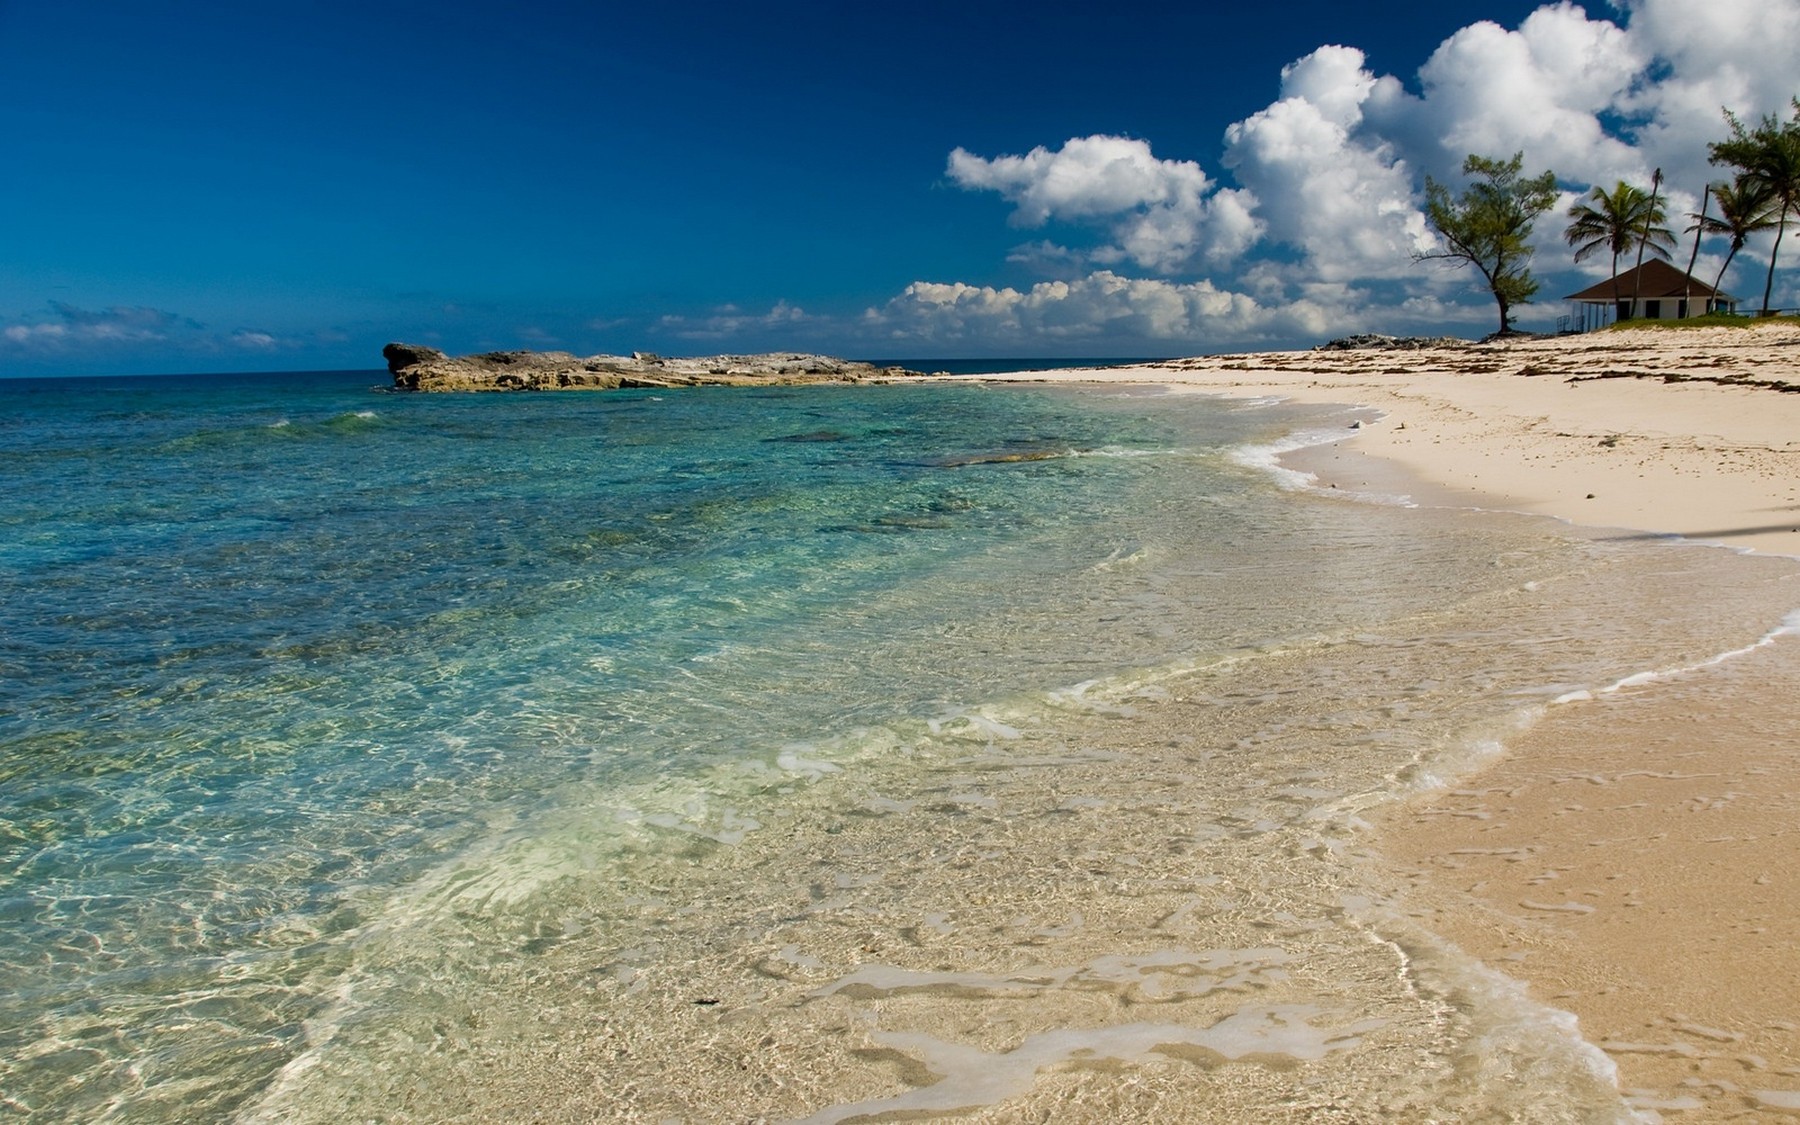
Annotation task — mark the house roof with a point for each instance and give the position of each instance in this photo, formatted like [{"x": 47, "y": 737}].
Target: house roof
[{"x": 1660, "y": 281}]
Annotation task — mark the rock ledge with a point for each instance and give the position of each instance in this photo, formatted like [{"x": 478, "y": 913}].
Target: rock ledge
[{"x": 419, "y": 368}]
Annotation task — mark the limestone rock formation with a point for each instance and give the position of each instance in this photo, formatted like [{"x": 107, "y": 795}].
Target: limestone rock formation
[{"x": 418, "y": 368}]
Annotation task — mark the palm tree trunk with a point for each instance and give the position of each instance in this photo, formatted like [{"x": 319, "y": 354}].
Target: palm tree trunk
[
  {"x": 1615, "y": 279},
  {"x": 1720, "y": 280},
  {"x": 1775, "y": 252},
  {"x": 1637, "y": 279},
  {"x": 1687, "y": 288}
]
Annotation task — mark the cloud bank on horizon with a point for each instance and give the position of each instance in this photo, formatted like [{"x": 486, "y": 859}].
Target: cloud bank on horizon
[{"x": 1319, "y": 231}]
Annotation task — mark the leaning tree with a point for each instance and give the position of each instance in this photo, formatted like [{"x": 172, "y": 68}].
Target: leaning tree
[
  {"x": 1488, "y": 224},
  {"x": 1766, "y": 157},
  {"x": 1745, "y": 208}
]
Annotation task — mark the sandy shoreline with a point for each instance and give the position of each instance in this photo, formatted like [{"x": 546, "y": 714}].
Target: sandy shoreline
[
  {"x": 1629, "y": 857},
  {"x": 1585, "y": 428}
]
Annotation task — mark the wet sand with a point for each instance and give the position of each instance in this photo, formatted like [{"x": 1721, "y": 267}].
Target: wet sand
[{"x": 1630, "y": 857}]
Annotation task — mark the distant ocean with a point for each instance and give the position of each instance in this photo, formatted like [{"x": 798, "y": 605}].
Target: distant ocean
[{"x": 728, "y": 754}]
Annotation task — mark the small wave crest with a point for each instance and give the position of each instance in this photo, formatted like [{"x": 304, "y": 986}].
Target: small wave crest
[
  {"x": 1788, "y": 626},
  {"x": 280, "y": 429},
  {"x": 1266, "y": 457}
]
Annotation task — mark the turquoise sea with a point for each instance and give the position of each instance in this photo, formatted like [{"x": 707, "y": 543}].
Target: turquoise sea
[{"x": 757, "y": 754}]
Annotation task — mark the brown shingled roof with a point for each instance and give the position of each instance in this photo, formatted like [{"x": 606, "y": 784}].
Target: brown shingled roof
[{"x": 1661, "y": 281}]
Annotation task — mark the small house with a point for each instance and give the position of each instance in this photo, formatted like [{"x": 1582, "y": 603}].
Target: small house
[{"x": 1655, "y": 290}]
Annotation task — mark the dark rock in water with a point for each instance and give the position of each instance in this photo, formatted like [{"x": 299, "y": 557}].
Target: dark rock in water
[
  {"x": 1370, "y": 341},
  {"x": 912, "y": 523},
  {"x": 419, "y": 368},
  {"x": 815, "y": 436},
  {"x": 1007, "y": 458}
]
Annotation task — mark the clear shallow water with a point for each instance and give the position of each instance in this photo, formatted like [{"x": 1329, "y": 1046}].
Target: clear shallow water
[{"x": 431, "y": 756}]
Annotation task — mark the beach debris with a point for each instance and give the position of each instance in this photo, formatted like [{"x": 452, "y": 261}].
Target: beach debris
[{"x": 1734, "y": 379}]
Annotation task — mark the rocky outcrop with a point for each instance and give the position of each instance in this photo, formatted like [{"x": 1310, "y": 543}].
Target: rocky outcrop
[
  {"x": 418, "y": 368},
  {"x": 1370, "y": 341}
]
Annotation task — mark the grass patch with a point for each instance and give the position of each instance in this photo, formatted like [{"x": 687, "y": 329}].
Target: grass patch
[{"x": 1710, "y": 320}]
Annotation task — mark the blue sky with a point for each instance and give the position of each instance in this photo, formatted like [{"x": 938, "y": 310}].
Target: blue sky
[{"x": 218, "y": 187}]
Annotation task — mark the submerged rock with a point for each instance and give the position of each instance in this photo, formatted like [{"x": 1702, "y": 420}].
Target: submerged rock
[{"x": 419, "y": 368}]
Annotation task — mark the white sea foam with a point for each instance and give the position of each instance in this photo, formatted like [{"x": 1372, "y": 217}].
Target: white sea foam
[
  {"x": 1788, "y": 626},
  {"x": 970, "y": 1078},
  {"x": 1516, "y": 1039},
  {"x": 1122, "y": 557},
  {"x": 1159, "y": 976},
  {"x": 792, "y": 759},
  {"x": 1266, "y": 457}
]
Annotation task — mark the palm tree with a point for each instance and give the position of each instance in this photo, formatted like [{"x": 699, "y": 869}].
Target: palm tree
[
  {"x": 1617, "y": 220},
  {"x": 1745, "y": 208},
  {"x": 1767, "y": 156}
]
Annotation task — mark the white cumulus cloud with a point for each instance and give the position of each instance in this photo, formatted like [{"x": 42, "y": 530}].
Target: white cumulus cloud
[
  {"x": 1103, "y": 305},
  {"x": 1540, "y": 89},
  {"x": 1345, "y": 199},
  {"x": 1738, "y": 54},
  {"x": 1162, "y": 213}
]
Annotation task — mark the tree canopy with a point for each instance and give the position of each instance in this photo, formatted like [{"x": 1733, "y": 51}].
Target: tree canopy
[
  {"x": 1767, "y": 158},
  {"x": 1744, "y": 209},
  {"x": 1488, "y": 225},
  {"x": 1616, "y": 220}
]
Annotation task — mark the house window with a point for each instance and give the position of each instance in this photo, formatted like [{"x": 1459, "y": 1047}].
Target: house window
[
  {"x": 1623, "y": 312},
  {"x": 1681, "y": 309},
  {"x": 1653, "y": 309}
]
